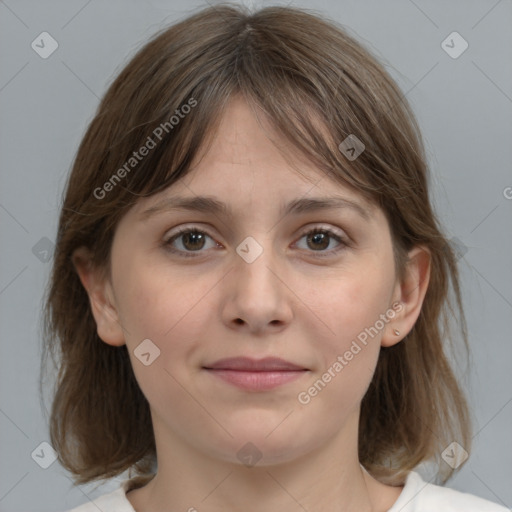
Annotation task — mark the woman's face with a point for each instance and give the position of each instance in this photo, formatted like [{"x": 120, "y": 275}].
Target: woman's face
[{"x": 256, "y": 283}]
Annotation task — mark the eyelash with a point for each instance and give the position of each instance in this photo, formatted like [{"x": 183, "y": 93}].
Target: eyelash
[{"x": 193, "y": 254}]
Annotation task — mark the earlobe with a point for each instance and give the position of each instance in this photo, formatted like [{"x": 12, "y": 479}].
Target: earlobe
[
  {"x": 101, "y": 298},
  {"x": 409, "y": 293}
]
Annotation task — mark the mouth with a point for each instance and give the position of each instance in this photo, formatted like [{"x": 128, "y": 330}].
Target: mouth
[{"x": 256, "y": 375}]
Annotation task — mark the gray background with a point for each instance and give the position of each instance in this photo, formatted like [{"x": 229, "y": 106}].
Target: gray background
[{"x": 464, "y": 107}]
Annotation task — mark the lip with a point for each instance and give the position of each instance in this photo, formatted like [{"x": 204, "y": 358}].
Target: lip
[
  {"x": 256, "y": 374},
  {"x": 246, "y": 364}
]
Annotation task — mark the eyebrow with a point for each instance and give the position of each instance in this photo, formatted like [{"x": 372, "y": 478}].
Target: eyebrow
[{"x": 207, "y": 204}]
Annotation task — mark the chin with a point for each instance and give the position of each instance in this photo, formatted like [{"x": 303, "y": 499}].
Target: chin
[{"x": 262, "y": 444}]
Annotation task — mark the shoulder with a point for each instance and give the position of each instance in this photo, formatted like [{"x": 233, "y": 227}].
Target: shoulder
[
  {"x": 115, "y": 501},
  {"x": 420, "y": 496}
]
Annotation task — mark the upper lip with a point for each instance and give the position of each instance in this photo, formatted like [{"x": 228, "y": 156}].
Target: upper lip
[{"x": 247, "y": 364}]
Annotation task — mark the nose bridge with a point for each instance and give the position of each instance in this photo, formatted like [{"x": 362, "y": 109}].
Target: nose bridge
[
  {"x": 256, "y": 262},
  {"x": 257, "y": 296}
]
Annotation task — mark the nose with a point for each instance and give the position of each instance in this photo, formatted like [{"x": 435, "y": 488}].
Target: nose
[{"x": 257, "y": 298}]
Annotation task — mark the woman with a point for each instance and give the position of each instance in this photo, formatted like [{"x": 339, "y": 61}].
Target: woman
[{"x": 250, "y": 291}]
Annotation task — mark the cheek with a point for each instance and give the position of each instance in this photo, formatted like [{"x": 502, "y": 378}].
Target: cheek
[
  {"x": 349, "y": 306},
  {"x": 350, "y": 302},
  {"x": 173, "y": 311},
  {"x": 152, "y": 300},
  {"x": 346, "y": 355},
  {"x": 172, "y": 314}
]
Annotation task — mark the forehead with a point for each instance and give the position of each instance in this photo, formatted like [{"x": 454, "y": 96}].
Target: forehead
[{"x": 248, "y": 164}]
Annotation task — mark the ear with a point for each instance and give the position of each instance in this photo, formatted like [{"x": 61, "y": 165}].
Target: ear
[
  {"x": 408, "y": 296},
  {"x": 101, "y": 298}
]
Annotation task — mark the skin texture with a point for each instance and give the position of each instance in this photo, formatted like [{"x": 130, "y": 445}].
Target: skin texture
[{"x": 290, "y": 303}]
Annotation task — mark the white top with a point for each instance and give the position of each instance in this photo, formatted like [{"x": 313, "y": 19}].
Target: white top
[{"x": 416, "y": 496}]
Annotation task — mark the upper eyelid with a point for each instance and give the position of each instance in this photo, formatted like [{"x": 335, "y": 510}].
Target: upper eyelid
[
  {"x": 337, "y": 232},
  {"x": 314, "y": 226}
]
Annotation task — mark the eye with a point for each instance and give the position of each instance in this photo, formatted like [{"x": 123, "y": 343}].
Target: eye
[
  {"x": 191, "y": 239},
  {"x": 319, "y": 239}
]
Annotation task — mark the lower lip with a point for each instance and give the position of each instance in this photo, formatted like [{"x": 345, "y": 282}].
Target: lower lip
[{"x": 257, "y": 381}]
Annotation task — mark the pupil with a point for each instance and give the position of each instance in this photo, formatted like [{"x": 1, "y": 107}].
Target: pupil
[
  {"x": 320, "y": 237},
  {"x": 194, "y": 238}
]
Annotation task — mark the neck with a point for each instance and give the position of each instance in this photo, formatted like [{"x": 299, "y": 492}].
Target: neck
[{"x": 316, "y": 481}]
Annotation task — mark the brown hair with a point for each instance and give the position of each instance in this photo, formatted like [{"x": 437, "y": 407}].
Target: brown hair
[{"x": 301, "y": 71}]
